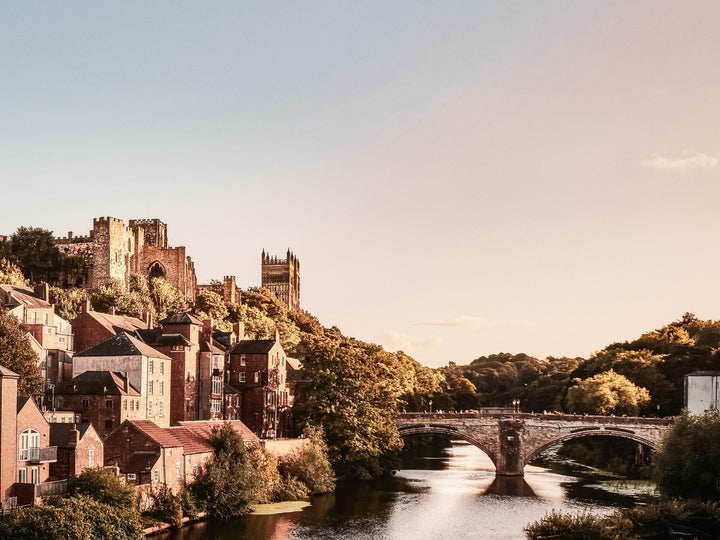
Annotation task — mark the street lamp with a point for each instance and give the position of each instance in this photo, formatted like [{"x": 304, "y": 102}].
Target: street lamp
[
  {"x": 516, "y": 406},
  {"x": 430, "y": 405}
]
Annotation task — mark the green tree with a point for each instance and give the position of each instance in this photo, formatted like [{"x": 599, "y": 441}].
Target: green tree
[
  {"x": 166, "y": 298},
  {"x": 606, "y": 393},
  {"x": 10, "y": 274},
  {"x": 67, "y": 302},
  {"x": 687, "y": 464},
  {"x": 17, "y": 354},
  {"x": 104, "y": 487},
  {"x": 209, "y": 304},
  {"x": 311, "y": 465},
  {"x": 35, "y": 252},
  {"x": 238, "y": 477}
]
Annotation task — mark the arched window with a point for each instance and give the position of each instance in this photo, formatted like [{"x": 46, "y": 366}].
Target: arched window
[
  {"x": 156, "y": 270},
  {"x": 29, "y": 445}
]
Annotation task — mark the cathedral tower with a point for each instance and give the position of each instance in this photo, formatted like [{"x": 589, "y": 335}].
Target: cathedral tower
[{"x": 282, "y": 276}]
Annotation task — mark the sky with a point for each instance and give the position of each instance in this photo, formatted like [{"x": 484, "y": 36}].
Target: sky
[{"x": 457, "y": 178}]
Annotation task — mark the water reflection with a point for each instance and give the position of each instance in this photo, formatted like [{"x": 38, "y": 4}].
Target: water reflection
[{"x": 451, "y": 494}]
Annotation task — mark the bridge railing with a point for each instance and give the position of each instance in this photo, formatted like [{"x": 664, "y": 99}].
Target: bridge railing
[{"x": 596, "y": 419}]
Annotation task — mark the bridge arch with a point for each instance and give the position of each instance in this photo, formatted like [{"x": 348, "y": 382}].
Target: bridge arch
[
  {"x": 438, "y": 429},
  {"x": 623, "y": 434}
]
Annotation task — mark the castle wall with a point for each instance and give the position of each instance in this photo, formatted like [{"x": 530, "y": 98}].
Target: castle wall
[{"x": 282, "y": 276}]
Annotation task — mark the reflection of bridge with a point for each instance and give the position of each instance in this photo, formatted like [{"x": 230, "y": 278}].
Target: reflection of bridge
[{"x": 513, "y": 440}]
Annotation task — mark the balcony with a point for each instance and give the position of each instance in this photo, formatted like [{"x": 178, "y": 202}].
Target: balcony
[
  {"x": 39, "y": 455},
  {"x": 27, "y": 493}
]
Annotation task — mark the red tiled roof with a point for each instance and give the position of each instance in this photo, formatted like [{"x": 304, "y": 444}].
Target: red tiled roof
[
  {"x": 203, "y": 428},
  {"x": 191, "y": 441},
  {"x": 115, "y": 323},
  {"x": 23, "y": 296},
  {"x": 162, "y": 436},
  {"x": 122, "y": 344}
]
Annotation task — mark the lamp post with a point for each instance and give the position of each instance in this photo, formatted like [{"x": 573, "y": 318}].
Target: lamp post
[{"x": 430, "y": 405}]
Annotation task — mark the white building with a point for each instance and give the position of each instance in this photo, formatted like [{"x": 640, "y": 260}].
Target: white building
[{"x": 702, "y": 391}]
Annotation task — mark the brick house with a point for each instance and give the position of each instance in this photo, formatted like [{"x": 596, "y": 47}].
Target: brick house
[
  {"x": 25, "y": 449},
  {"x": 92, "y": 327},
  {"x": 104, "y": 399},
  {"x": 51, "y": 336},
  {"x": 148, "y": 454},
  {"x": 258, "y": 369},
  {"x": 148, "y": 371},
  {"x": 79, "y": 447}
]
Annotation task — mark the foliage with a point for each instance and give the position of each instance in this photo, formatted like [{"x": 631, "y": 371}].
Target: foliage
[
  {"x": 112, "y": 294},
  {"x": 165, "y": 297},
  {"x": 567, "y": 526},
  {"x": 606, "y": 393},
  {"x": 166, "y": 506},
  {"x": 615, "y": 454},
  {"x": 17, "y": 354},
  {"x": 189, "y": 503},
  {"x": 35, "y": 252},
  {"x": 104, "y": 487},
  {"x": 291, "y": 488},
  {"x": 352, "y": 391},
  {"x": 76, "y": 518},
  {"x": 210, "y": 305},
  {"x": 311, "y": 465},
  {"x": 687, "y": 463},
  {"x": 238, "y": 477},
  {"x": 10, "y": 274},
  {"x": 257, "y": 324},
  {"x": 67, "y": 302}
]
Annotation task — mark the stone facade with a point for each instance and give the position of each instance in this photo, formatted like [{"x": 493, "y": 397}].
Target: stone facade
[
  {"x": 702, "y": 391},
  {"x": 282, "y": 276},
  {"x": 113, "y": 250},
  {"x": 79, "y": 447},
  {"x": 227, "y": 288}
]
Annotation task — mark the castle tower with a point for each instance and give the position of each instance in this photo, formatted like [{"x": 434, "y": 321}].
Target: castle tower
[
  {"x": 113, "y": 245},
  {"x": 282, "y": 276}
]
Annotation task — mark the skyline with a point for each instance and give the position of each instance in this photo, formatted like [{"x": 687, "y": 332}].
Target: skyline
[{"x": 456, "y": 180}]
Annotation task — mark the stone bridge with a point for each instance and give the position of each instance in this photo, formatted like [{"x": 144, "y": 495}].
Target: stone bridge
[{"x": 512, "y": 441}]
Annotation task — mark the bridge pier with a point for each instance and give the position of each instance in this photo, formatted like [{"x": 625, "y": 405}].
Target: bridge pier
[{"x": 511, "y": 458}]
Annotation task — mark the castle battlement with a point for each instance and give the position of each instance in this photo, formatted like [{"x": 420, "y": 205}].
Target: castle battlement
[{"x": 72, "y": 239}]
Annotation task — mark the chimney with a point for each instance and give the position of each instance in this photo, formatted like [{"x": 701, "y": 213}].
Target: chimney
[
  {"x": 206, "y": 330},
  {"x": 42, "y": 290},
  {"x": 86, "y": 306},
  {"x": 112, "y": 310},
  {"x": 73, "y": 436},
  {"x": 125, "y": 384},
  {"x": 70, "y": 235},
  {"x": 148, "y": 318},
  {"x": 239, "y": 329}
]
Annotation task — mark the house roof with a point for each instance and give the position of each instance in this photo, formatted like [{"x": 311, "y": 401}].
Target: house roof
[
  {"x": 181, "y": 318},
  {"x": 122, "y": 344},
  {"x": 155, "y": 336},
  {"x": 162, "y": 436},
  {"x": 5, "y": 372},
  {"x": 703, "y": 374},
  {"x": 115, "y": 323},
  {"x": 253, "y": 346},
  {"x": 206, "y": 346},
  {"x": 21, "y": 402},
  {"x": 23, "y": 296},
  {"x": 191, "y": 441},
  {"x": 96, "y": 382},
  {"x": 60, "y": 433},
  {"x": 294, "y": 363},
  {"x": 204, "y": 428}
]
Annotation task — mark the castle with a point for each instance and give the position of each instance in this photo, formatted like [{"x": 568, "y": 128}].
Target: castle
[{"x": 114, "y": 251}]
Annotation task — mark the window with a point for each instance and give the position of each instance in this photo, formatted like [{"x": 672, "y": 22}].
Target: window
[
  {"x": 241, "y": 376},
  {"x": 178, "y": 472},
  {"x": 157, "y": 475},
  {"x": 48, "y": 329},
  {"x": 195, "y": 470},
  {"x": 91, "y": 457},
  {"x": 168, "y": 452},
  {"x": 215, "y": 405},
  {"x": 132, "y": 404},
  {"x": 35, "y": 475},
  {"x": 29, "y": 445},
  {"x": 162, "y": 408},
  {"x": 216, "y": 385},
  {"x": 131, "y": 476},
  {"x": 61, "y": 339},
  {"x": 125, "y": 404},
  {"x": 22, "y": 475},
  {"x": 257, "y": 377},
  {"x": 150, "y": 367},
  {"x": 45, "y": 321},
  {"x": 108, "y": 424},
  {"x": 187, "y": 405},
  {"x": 162, "y": 387},
  {"x": 162, "y": 368},
  {"x": 108, "y": 404},
  {"x": 85, "y": 403},
  {"x": 150, "y": 387},
  {"x": 149, "y": 407}
]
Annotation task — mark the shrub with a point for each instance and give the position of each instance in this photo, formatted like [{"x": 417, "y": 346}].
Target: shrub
[
  {"x": 166, "y": 506},
  {"x": 104, "y": 487},
  {"x": 311, "y": 465},
  {"x": 572, "y": 527}
]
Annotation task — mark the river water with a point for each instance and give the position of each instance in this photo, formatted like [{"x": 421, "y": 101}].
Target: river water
[{"x": 450, "y": 493}]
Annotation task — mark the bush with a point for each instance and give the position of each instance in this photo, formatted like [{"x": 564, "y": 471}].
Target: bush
[
  {"x": 104, "y": 487},
  {"x": 311, "y": 465},
  {"x": 166, "y": 506},
  {"x": 190, "y": 505},
  {"x": 573, "y": 527},
  {"x": 76, "y": 518},
  {"x": 291, "y": 489}
]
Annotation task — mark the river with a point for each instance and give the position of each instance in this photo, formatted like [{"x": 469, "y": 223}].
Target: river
[{"x": 449, "y": 493}]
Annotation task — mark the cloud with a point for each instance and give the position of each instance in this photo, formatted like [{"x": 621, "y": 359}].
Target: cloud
[
  {"x": 475, "y": 324},
  {"x": 396, "y": 341},
  {"x": 686, "y": 162}
]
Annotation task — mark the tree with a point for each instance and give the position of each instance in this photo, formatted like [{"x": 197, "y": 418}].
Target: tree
[
  {"x": 166, "y": 298},
  {"x": 35, "y": 252},
  {"x": 104, "y": 487},
  {"x": 238, "y": 477},
  {"x": 10, "y": 273},
  {"x": 209, "y": 304},
  {"x": 67, "y": 302},
  {"x": 311, "y": 465},
  {"x": 17, "y": 354},
  {"x": 687, "y": 464},
  {"x": 606, "y": 393}
]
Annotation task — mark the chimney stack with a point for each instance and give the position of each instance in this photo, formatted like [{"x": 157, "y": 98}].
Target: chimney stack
[{"x": 73, "y": 436}]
